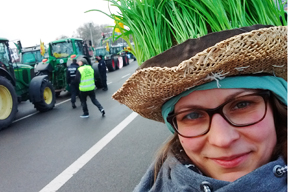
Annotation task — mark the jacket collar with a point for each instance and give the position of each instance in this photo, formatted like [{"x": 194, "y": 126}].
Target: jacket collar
[{"x": 264, "y": 178}]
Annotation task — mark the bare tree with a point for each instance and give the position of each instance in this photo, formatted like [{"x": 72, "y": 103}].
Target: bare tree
[
  {"x": 75, "y": 35},
  {"x": 90, "y": 29},
  {"x": 62, "y": 37}
]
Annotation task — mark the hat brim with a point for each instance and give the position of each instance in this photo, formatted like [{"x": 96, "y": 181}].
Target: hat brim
[{"x": 259, "y": 51}]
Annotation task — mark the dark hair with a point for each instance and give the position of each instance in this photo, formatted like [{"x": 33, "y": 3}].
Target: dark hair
[
  {"x": 84, "y": 61},
  {"x": 280, "y": 121},
  {"x": 74, "y": 60}
]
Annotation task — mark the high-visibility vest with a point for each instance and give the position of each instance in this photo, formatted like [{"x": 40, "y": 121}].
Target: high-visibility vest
[{"x": 87, "y": 82}]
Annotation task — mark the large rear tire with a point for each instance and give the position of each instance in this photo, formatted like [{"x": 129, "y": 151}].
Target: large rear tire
[
  {"x": 97, "y": 78},
  {"x": 8, "y": 103},
  {"x": 47, "y": 97},
  {"x": 111, "y": 65},
  {"x": 125, "y": 60},
  {"x": 116, "y": 61}
]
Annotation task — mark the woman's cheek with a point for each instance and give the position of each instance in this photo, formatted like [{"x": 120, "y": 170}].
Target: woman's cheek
[
  {"x": 191, "y": 144},
  {"x": 266, "y": 128}
]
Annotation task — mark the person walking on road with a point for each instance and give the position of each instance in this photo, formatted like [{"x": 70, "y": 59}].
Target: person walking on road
[
  {"x": 102, "y": 71},
  {"x": 74, "y": 86},
  {"x": 85, "y": 78}
]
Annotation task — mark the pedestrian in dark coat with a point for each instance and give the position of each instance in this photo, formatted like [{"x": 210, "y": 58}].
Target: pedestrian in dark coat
[
  {"x": 74, "y": 86},
  {"x": 102, "y": 71}
]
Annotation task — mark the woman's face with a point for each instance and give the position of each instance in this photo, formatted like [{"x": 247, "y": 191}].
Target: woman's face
[{"x": 226, "y": 152}]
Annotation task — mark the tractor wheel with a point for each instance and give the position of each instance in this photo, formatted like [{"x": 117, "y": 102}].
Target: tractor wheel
[
  {"x": 8, "y": 102},
  {"x": 48, "y": 97},
  {"x": 116, "y": 61},
  {"x": 111, "y": 65},
  {"x": 97, "y": 78},
  {"x": 125, "y": 60}
]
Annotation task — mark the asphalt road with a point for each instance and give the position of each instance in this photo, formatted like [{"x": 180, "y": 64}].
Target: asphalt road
[{"x": 59, "y": 151}]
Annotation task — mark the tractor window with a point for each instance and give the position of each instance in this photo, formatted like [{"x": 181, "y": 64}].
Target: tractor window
[
  {"x": 116, "y": 50},
  {"x": 101, "y": 51},
  {"x": 63, "y": 49},
  {"x": 46, "y": 54},
  {"x": 32, "y": 57},
  {"x": 79, "y": 47},
  {"x": 4, "y": 53}
]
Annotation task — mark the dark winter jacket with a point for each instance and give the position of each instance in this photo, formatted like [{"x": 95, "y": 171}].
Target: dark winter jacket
[
  {"x": 174, "y": 176},
  {"x": 71, "y": 73},
  {"x": 102, "y": 66}
]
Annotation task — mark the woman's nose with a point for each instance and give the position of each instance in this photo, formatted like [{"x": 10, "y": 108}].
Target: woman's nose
[{"x": 221, "y": 133}]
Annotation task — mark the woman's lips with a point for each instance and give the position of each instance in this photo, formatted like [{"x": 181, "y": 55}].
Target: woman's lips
[{"x": 232, "y": 161}]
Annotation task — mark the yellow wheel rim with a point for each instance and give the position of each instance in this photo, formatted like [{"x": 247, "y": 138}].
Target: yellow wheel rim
[
  {"x": 6, "y": 102},
  {"x": 47, "y": 95}
]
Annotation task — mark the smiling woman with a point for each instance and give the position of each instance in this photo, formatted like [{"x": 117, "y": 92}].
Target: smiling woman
[
  {"x": 226, "y": 107},
  {"x": 231, "y": 145}
]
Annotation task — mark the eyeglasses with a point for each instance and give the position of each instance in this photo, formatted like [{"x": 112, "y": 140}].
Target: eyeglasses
[{"x": 239, "y": 112}]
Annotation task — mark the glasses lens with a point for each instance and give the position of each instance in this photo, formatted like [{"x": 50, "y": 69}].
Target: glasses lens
[
  {"x": 245, "y": 110},
  {"x": 192, "y": 122}
]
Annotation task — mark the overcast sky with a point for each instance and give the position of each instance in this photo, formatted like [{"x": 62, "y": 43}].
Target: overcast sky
[{"x": 32, "y": 20}]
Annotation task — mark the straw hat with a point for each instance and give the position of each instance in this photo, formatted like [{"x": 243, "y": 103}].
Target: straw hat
[{"x": 248, "y": 50}]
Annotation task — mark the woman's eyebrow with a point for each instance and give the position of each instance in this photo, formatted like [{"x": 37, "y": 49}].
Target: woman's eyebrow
[
  {"x": 183, "y": 107},
  {"x": 238, "y": 93},
  {"x": 228, "y": 98}
]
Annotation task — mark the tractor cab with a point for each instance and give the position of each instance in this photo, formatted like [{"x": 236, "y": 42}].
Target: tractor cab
[
  {"x": 62, "y": 49},
  {"x": 101, "y": 51},
  {"x": 117, "y": 49},
  {"x": 32, "y": 55},
  {"x": 5, "y": 58}
]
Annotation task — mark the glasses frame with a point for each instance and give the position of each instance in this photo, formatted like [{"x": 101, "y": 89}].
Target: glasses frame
[{"x": 219, "y": 110}]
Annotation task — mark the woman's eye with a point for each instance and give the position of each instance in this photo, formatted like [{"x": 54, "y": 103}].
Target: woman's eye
[
  {"x": 241, "y": 105},
  {"x": 193, "y": 115}
]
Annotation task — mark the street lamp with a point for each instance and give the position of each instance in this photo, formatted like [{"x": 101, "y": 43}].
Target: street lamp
[{"x": 91, "y": 34}]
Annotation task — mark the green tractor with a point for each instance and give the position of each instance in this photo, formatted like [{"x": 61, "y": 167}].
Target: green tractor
[
  {"x": 116, "y": 57},
  {"x": 31, "y": 55},
  {"x": 17, "y": 83},
  {"x": 60, "y": 55}
]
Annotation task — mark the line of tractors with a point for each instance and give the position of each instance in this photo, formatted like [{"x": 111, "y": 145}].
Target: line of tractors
[
  {"x": 40, "y": 79},
  {"x": 115, "y": 56}
]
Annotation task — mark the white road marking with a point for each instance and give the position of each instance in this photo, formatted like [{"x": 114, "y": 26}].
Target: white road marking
[
  {"x": 68, "y": 173},
  {"x": 125, "y": 75},
  {"x": 25, "y": 117},
  {"x": 109, "y": 83},
  {"x": 62, "y": 102}
]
